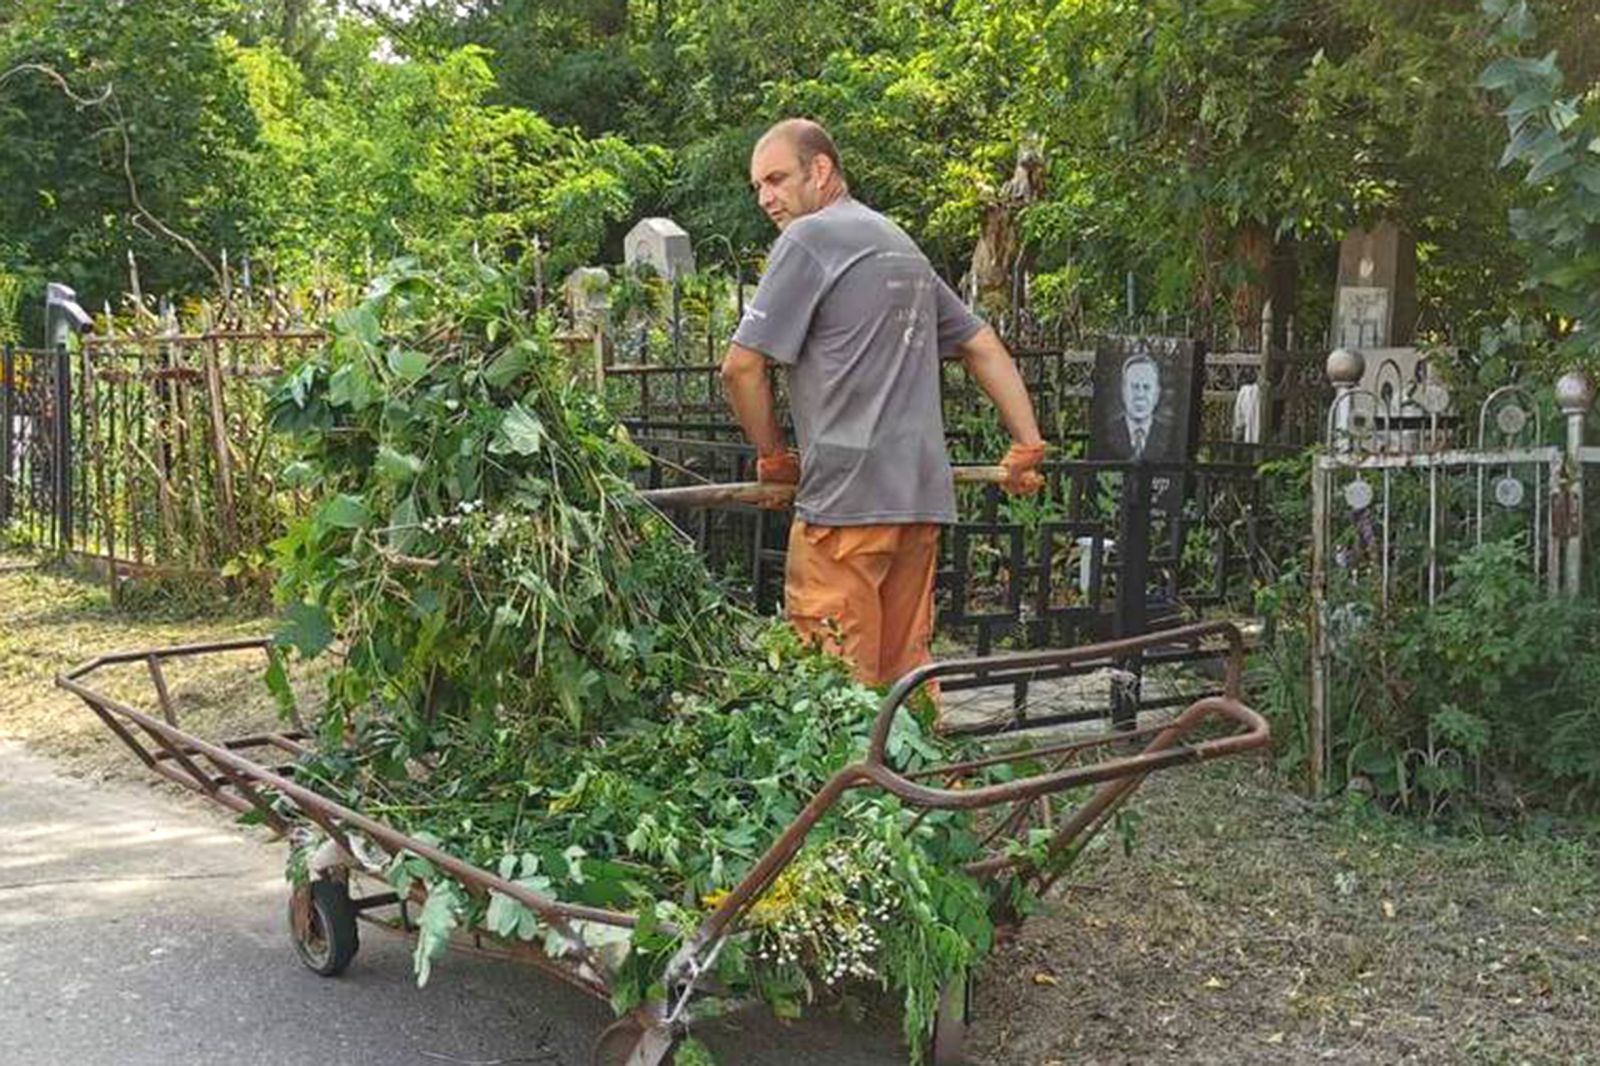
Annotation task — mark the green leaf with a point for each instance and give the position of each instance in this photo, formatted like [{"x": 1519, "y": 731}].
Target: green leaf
[
  {"x": 358, "y": 323},
  {"x": 400, "y": 467},
  {"x": 1549, "y": 166},
  {"x": 278, "y": 684},
  {"x": 509, "y": 365},
  {"x": 504, "y": 914},
  {"x": 434, "y": 925},
  {"x": 307, "y": 628},
  {"x": 298, "y": 475},
  {"x": 403, "y": 522},
  {"x": 344, "y": 511},
  {"x": 352, "y": 386},
  {"x": 407, "y": 364},
  {"x": 520, "y": 433}
]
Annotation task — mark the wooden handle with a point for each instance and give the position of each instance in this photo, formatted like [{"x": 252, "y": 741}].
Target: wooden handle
[{"x": 754, "y": 493}]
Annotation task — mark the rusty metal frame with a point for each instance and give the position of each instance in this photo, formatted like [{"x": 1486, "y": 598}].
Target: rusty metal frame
[{"x": 223, "y": 773}]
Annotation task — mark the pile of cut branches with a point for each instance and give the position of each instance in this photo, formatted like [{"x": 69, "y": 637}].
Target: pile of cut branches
[{"x": 536, "y": 672}]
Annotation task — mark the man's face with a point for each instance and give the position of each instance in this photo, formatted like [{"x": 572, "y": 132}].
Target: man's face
[
  {"x": 785, "y": 189},
  {"x": 1141, "y": 391}
]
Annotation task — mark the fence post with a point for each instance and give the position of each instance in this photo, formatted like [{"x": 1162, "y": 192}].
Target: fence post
[
  {"x": 217, "y": 403},
  {"x": 1320, "y": 551},
  {"x": 1266, "y": 431},
  {"x": 8, "y": 384},
  {"x": 61, "y": 461},
  {"x": 1574, "y": 395},
  {"x": 1133, "y": 546}
]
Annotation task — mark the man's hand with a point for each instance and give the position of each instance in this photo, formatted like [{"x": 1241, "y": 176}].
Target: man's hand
[
  {"x": 1021, "y": 465},
  {"x": 778, "y": 468},
  {"x": 781, "y": 468}
]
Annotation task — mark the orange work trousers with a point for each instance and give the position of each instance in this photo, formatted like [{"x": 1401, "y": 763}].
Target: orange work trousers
[{"x": 866, "y": 592}]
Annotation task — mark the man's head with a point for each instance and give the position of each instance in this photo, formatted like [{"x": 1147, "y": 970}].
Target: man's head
[
  {"x": 1141, "y": 387},
  {"x": 795, "y": 170}
]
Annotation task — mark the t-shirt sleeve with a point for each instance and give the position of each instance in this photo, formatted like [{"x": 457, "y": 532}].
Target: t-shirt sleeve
[
  {"x": 777, "y": 318},
  {"x": 956, "y": 322}
]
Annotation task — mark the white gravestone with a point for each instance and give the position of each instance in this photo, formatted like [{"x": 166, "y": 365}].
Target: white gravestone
[{"x": 662, "y": 244}]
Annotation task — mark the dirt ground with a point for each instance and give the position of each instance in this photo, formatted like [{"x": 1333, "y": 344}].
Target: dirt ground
[
  {"x": 50, "y": 622},
  {"x": 1246, "y": 925}
]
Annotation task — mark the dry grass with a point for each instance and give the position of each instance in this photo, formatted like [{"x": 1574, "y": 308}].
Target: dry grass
[
  {"x": 50, "y": 622},
  {"x": 1248, "y": 927}
]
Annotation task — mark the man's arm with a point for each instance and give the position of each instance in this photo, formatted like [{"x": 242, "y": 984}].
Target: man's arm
[
  {"x": 749, "y": 392},
  {"x": 992, "y": 367}
]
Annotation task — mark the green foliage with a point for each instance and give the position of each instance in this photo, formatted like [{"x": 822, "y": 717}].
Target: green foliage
[
  {"x": 375, "y": 159},
  {"x": 64, "y": 201},
  {"x": 539, "y": 676},
  {"x": 1483, "y": 701},
  {"x": 1555, "y": 134},
  {"x": 1176, "y": 133}
]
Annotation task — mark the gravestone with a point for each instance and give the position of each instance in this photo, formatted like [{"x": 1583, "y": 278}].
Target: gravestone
[
  {"x": 1375, "y": 303},
  {"x": 1146, "y": 399},
  {"x": 587, "y": 292},
  {"x": 1145, "y": 407},
  {"x": 661, "y": 244}
]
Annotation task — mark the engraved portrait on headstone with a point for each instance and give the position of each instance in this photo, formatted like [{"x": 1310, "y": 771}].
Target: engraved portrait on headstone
[{"x": 1145, "y": 403}]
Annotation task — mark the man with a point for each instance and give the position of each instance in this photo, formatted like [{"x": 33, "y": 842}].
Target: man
[
  {"x": 855, "y": 312},
  {"x": 1141, "y": 394}
]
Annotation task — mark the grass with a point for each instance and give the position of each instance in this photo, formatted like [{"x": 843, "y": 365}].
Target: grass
[
  {"x": 1247, "y": 925},
  {"x": 50, "y": 621},
  {"x": 1250, "y": 926}
]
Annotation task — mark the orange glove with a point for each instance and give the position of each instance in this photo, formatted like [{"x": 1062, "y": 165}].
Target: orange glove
[
  {"x": 1021, "y": 465},
  {"x": 779, "y": 468}
]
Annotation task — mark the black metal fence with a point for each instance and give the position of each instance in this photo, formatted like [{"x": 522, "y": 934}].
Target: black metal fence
[
  {"x": 1105, "y": 550},
  {"x": 1046, "y": 570},
  {"x": 685, "y": 399},
  {"x": 35, "y": 489}
]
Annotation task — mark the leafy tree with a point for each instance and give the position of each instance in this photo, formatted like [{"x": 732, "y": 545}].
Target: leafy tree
[
  {"x": 1555, "y": 134},
  {"x": 172, "y": 120}
]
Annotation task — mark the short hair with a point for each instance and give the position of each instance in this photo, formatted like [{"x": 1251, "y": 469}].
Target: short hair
[
  {"x": 809, "y": 140},
  {"x": 1138, "y": 357}
]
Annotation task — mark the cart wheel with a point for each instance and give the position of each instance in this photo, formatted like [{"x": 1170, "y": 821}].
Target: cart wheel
[
  {"x": 626, "y": 1043},
  {"x": 947, "y": 1044},
  {"x": 322, "y": 923}
]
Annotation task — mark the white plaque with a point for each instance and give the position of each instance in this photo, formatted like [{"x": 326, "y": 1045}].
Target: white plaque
[
  {"x": 1508, "y": 492},
  {"x": 1363, "y": 317},
  {"x": 1358, "y": 494}
]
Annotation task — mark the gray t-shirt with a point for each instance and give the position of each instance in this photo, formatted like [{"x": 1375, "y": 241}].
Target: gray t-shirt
[{"x": 853, "y": 308}]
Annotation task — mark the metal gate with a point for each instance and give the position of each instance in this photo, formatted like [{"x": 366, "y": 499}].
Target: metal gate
[
  {"x": 35, "y": 489},
  {"x": 1404, "y": 488}
]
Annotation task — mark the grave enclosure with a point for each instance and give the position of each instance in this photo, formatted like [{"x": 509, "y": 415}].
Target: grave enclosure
[{"x": 144, "y": 451}]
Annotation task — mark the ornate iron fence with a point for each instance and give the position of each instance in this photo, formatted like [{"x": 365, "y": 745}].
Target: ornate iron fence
[
  {"x": 145, "y": 452},
  {"x": 33, "y": 385}
]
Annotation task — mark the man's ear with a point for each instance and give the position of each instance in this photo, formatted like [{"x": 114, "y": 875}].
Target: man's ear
[{"x": 822, "y": 169}]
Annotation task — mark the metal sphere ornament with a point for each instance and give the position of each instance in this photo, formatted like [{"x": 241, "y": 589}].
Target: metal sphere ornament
[
  {"x": 1345, "y": 366},
  {"x": 1574, "y": 392}
]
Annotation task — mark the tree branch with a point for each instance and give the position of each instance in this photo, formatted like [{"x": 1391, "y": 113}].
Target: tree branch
[{"x": 108, "y": 102}]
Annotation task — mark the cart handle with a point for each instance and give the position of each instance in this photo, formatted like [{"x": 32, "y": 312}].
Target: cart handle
[
  {"x": 778, "y": 494},
  {"x": 1026, "y": 662}
]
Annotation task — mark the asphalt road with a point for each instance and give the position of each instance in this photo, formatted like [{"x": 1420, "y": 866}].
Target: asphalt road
[{"x": 141, "y": 928}]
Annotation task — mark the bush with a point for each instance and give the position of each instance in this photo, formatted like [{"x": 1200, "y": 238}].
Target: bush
[{"x": 1486, "y": 701}]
